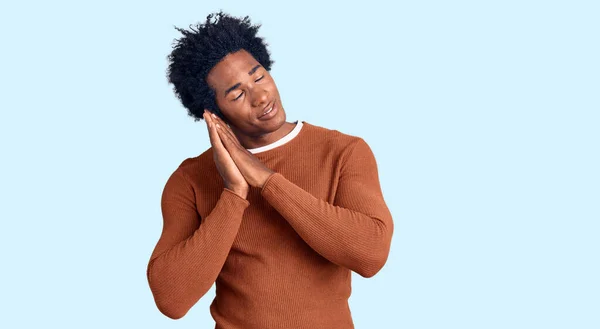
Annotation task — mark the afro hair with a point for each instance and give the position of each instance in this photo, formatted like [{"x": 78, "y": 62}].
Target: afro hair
[{"x": 201, "y": 48}]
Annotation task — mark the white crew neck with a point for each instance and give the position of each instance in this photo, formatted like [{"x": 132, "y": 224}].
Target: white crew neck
[{"x": 281, "y": 141}]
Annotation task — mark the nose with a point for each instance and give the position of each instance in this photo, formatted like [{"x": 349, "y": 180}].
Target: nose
[{"x": 260, "y": 97}]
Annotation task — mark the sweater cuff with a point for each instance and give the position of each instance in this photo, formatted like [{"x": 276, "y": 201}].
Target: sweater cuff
[
  {"x": 267, "y": 182},
  {"x": 234, "y": 197}
]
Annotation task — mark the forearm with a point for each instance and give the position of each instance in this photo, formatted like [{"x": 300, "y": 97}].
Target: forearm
[
  {"x": 180, "y": 275},
  {"x": 353, "y": 239}
]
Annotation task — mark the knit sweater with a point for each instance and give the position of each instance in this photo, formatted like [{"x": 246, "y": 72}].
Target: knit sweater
[{"x": 282, "y": 257}]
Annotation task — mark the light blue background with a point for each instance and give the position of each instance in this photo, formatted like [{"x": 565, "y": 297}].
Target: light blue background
[{"x": 483, "y": 117}]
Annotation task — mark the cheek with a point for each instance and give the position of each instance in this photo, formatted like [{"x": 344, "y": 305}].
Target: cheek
[
  {"x": 272, "y": 85},
  {"x": 220, "y": 104},
  {"x": 226, "y": 108},
  {"x": 234, "y": 110},
  {"x": 274, "y": 90}
]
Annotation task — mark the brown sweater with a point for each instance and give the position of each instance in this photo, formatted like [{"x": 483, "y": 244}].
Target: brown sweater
[{"x": 282, "y": 257}]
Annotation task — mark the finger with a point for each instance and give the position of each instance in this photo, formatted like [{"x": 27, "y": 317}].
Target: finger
[
  {"x": 226, "y": 130},
  {"x": 206, "y": 116},
  {"x": 221, "y": 122},
  {"x": 213, "y": 135},
  {"x": 229, "y": 139},
  {"x": 234, "y": 149},
  {"x": 227, "y": 134},
  {"x": 224, "y": 137}
]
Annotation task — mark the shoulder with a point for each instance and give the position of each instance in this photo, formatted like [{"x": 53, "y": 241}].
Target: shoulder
[
  {"x": 196, "y": 170},
  {"x": 350, "y": 150},
  {"x": 333, "y": 139}
]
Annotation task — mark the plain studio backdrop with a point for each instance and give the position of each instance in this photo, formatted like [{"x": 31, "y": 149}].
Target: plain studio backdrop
[{"x": 483, "y": 117}]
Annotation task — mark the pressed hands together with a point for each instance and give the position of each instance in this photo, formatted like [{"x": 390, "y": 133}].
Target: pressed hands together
[
  {"x": 355, "y": 233},
  {"x": 239, "y": 168}
]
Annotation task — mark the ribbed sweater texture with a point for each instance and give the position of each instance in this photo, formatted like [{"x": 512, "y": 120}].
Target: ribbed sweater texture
[{"x": 282, "y": 258}]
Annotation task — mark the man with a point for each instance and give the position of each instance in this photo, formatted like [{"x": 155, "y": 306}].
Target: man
[{"x": 275, "y": 213}]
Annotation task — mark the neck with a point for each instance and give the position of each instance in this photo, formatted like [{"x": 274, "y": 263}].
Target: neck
[{"x": 251, "y": 142}]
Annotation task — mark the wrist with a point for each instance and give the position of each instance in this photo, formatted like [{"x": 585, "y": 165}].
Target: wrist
[
  {"x": 241, "y": 191},
  {"x": 266, "y": 178}
]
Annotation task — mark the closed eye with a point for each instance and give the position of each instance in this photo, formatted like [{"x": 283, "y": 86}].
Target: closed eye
[{"x": 240, "y": 95}]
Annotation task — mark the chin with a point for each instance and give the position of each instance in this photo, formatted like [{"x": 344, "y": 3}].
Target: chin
[{"x": 279, "y": 120}]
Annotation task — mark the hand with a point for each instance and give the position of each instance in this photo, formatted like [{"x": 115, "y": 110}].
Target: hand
[
  {"x": 253, "y": 170},
  {"x": 232, "y": 177}
]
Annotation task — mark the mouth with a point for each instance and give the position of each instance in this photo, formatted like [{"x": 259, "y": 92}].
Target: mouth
[{"x": 268, "y": 109}]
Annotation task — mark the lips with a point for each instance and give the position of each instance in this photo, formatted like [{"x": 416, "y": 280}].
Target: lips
[{"x": 270, "y": 106}]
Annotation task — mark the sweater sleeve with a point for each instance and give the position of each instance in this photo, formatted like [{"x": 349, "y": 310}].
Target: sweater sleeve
[
  {"x": 356, "y": 230},
  {"x": 190, "y": 252}
]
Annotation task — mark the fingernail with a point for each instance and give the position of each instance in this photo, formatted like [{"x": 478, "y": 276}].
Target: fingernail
[{"x": 213, "y": 115}]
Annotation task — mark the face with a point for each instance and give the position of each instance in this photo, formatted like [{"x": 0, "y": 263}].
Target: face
[{"x": 244, "y": 90}]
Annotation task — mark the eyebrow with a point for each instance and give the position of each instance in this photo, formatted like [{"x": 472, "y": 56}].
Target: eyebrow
[{"x": 234, "y": 87}]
